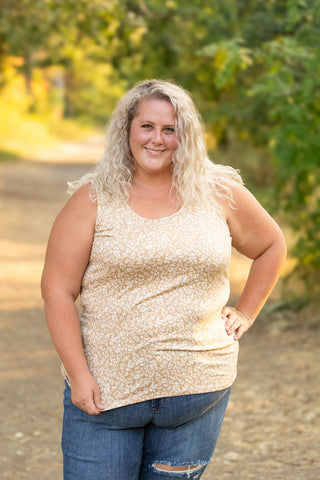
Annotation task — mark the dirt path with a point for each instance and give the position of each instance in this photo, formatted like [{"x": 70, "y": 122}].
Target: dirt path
[{"x": 271, "y": 430}]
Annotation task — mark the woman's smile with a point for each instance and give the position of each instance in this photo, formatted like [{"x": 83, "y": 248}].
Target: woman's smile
[
  {"x": 153, "y": 139},
  {"x": 154, "y": 152}
]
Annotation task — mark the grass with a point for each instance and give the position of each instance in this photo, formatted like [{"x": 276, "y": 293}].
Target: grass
[
  {"x": 6, "y": 156},
  {"x": 29, "y": 135}
]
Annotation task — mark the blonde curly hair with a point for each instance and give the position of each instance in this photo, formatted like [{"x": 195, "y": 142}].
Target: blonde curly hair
[{"x": 195, "y": 177}]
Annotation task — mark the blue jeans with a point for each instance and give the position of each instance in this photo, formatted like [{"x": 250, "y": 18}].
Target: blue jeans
[{"x": 139, "y": 441}]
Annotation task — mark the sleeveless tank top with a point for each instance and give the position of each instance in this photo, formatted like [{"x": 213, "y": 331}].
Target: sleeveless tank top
[{"x": 151, "y": 301}]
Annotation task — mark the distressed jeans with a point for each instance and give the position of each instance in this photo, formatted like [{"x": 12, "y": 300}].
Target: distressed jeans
[{"x": 141, "y": 441}]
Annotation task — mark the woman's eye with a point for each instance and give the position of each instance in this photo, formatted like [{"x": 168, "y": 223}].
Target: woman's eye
[
  {"x": 147, "y": 126},
  {"x": 170, "y": 130}
]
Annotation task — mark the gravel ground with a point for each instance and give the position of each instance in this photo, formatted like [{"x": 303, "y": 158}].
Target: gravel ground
[{"x": 271, "y": 429}]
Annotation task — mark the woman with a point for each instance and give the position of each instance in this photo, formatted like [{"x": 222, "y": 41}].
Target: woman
[{"x": 146, "y": 240}]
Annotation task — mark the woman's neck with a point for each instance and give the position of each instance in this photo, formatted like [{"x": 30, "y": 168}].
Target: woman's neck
[
  {"x": 152, "y": 182},
  {"x": 154, "y": 199}
]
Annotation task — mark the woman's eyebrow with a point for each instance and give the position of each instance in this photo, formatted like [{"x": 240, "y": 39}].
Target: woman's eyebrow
[{"x": 153, "y": 123}]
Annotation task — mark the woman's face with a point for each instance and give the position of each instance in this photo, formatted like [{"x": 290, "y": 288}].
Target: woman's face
[{"x": 152, "y": 138}]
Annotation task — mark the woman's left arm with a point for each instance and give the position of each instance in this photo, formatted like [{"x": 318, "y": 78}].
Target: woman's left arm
[{"x": 257, "y": 236}]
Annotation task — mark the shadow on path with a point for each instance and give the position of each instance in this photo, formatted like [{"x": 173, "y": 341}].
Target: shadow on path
[{"x": 271, "y": 430}]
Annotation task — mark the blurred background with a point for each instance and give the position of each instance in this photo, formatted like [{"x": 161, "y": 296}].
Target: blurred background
[{"x": 253, "y": 69}]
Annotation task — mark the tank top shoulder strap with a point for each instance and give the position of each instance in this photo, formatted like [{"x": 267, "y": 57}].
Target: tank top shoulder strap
[{"x": 107, "y": 213}]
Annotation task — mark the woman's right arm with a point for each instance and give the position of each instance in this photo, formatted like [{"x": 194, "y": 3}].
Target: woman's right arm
[{"x": 67, "y": 257}]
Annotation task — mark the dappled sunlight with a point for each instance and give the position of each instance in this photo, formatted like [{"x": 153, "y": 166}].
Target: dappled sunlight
[
  {"x": 32, "y": 194},
  {"x": 21, "y": 268},
  {"x": 253, "y": 69},
  {"x": 20, "y": 272},
  {"x": 238, "y": 272},
  {"x": 88, "y": 150}
]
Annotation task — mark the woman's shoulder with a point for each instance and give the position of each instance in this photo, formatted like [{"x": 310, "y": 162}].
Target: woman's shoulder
[
  {"x": 82, "y": 203},
  {"x": 77, "y": 217},
  {"x": 85, "y": 194},
  {"x": 223, "y": 175},
  {"x": 224, "y": 181}
]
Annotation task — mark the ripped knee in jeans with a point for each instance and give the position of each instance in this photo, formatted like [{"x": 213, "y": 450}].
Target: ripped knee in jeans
[{"x": 192, "y": 470}]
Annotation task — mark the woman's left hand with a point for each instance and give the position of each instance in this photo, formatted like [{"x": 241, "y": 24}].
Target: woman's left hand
[{"x": 236, "y": 322}]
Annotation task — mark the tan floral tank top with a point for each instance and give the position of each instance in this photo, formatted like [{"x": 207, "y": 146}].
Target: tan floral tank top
[{"x": 151, "y": 300}]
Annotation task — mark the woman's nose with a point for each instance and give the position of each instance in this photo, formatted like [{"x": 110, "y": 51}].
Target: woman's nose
[{"x": 157, "y": 136}]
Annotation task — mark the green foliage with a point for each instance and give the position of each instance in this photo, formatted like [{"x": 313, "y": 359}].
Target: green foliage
[
  {"x": 74, "y": 35},
  {"x": 229, "y": 57},
  {"x": 252, "y": 66},
  {"x": 5, "y": 156},
  {"x": 292, "y": 83},
  {"x": 278, "y": 85}
]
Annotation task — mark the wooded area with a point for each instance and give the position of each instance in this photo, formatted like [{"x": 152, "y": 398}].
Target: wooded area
[{"x": 252, "y": 66}]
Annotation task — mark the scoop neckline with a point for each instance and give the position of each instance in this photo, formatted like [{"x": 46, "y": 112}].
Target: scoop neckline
[{"x": 145, "y": 219}]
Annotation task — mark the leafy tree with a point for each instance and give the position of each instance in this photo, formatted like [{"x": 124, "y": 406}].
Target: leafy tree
[
  {"x": 74, "y": 34},
  {"x": 254, "y": 69},
  {"x": 276, "y": 77},
  {"x": 252, "y": 66}
]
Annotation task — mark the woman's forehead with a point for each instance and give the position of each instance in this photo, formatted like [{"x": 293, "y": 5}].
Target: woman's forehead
[{"x": 155, "y": 107}]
